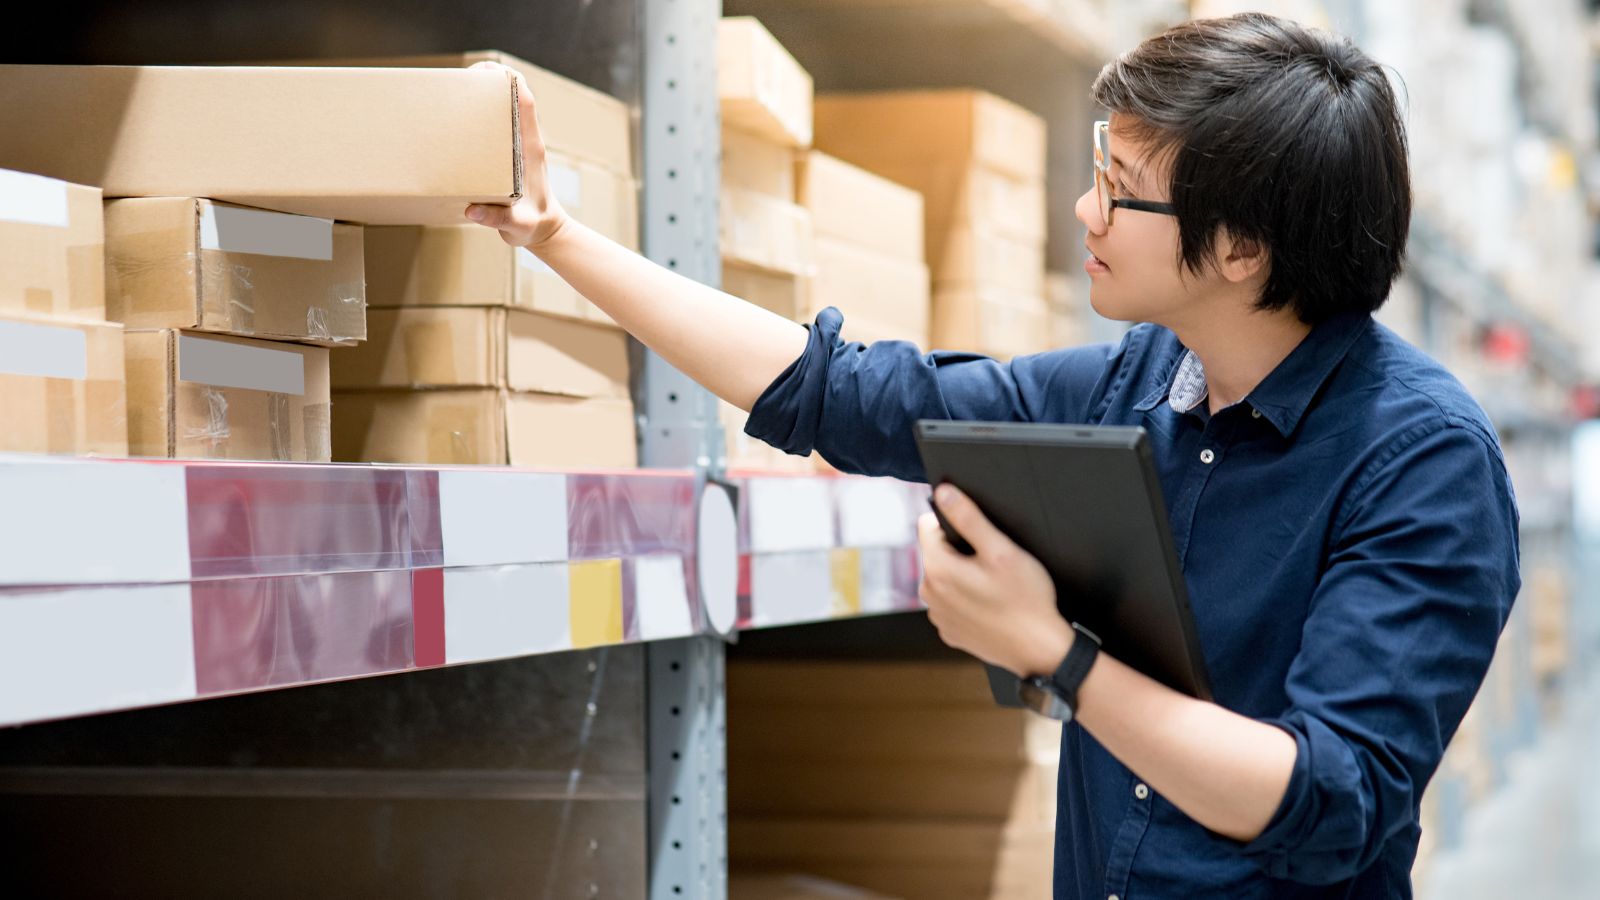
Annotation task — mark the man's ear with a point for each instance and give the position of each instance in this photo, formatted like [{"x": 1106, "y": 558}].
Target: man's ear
[{"x": 1240, "y": 259}]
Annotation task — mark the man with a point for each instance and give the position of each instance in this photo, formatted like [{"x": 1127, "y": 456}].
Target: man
[{"x": 1340, "y": 505}]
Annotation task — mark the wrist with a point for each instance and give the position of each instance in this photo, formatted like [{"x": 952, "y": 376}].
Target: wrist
[{"x": 1051, "y": 649}]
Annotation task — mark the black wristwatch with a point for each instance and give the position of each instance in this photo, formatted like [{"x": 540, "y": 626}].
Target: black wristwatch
[{"x": 1055, "y": 696}]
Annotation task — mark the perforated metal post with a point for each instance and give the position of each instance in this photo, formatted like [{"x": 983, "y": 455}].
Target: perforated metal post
[{"x": 681, "y": 131}]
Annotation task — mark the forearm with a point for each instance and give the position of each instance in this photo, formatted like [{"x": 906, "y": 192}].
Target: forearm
[
  {"x": 734, "y": 348},
  {"x": 1224, "y": 770}
]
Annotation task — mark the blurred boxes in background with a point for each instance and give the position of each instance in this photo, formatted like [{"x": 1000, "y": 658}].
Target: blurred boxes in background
[
  {"x": 902, "y": 778},
  {"x": 62, "y": 388},
  {"x": 375, "y": 146},
  {"x": 979, "y": 163},
  {"x": 52, "y": 249},
  {"x": 433, "y": 347},
  {"x": 485, "y": 426},
  {"x": 763, "y": 90},
  {"x": 62, "y": 379},
  {"x": 205, "y": 266},
  {"x": 209, "y": 396},
  {"x": 793, "y": 887}
]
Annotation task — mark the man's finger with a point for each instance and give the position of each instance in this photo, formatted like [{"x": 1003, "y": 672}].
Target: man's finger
[{"x": 969, "y": 521}]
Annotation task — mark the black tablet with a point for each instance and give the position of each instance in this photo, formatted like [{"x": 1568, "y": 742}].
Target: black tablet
[{"x": 1086, "y": 501}]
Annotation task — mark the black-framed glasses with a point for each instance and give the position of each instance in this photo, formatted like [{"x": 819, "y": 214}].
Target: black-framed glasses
[{"x": 1109, "y": 201}]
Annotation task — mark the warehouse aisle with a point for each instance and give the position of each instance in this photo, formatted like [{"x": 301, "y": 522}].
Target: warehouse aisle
[{"x": 1539, "y": 834}]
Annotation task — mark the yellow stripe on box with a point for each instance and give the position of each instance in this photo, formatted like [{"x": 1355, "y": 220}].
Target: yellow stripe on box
[
  {"x": 846, "y": 563},
  {"x": 596, "y": 602}
]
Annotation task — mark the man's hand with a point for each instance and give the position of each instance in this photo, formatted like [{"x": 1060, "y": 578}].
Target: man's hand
[
  {"x": 538, "y": 217},
  {"x": 1000, "y": 604}
]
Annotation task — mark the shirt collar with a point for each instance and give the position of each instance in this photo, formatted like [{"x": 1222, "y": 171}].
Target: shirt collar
[{"x": 1283, "y": 396}]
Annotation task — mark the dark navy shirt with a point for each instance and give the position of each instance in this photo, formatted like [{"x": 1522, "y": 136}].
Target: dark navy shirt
[{"x": 1349, "y": 538}]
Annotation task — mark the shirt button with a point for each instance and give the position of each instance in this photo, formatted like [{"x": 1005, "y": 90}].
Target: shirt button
[
  {"x": 1141, "y": 791},
  {"x": 1255, "y": 413},
  {"x": 1113, "y": 897},
  {"x": 1207, "y": 457}
]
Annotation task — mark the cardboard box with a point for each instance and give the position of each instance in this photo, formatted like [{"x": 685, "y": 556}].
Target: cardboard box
[
  {"x": 959, "y": 196},
  {"x": 602, "y": 200},
  {"x": 465, "y": 265},
  {"x": 574, "y": 120},
  {"x": 765, "y": 232},
  {"x": 936, "y": 859},
  {"x": 780, "y": 292},
  {"x": 174, "y": 262},
  {"x": 753, "y": 163},
  {"x": 52, "y": 249},
  {"x": 763, "y": 89},
  {"x": 460, "y": 346},
  {"x": 62, "y": 388},
  {"x": 989, "y": 321},
  {"x": 888, "y": 297},
  {"x": 932, "y": 128},
  {"x": 485, "y": 426},
  {"x": 375, "y": 146},
  {"x": 981, "y": 255},
  {"x": 851, "y": 204},
  {"x": 207, "y": 396},
  {"x": 793, "y": 887}
]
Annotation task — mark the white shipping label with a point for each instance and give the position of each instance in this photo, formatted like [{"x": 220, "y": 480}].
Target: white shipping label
[
  {"x": 220, "y": 364},
  {"x": 43, "y": 351},
  {"x": 33, "y": 200},
  {"x": 567, "y": 184},
  {"x": 234, "y": 229}
]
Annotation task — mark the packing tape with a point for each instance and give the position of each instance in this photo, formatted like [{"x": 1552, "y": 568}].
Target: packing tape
[
  {"x": 318, "y": 427},
  {"x": 106, "y": 417},
  {"x": 64, "y": 412},
  {"x": 149, "y": 268},
  {"x": 280, "y": 440},
  {"x": 214, "y": 433},
  {"x": 228, "y": 291},
  {"x": 41, "y": 301}
]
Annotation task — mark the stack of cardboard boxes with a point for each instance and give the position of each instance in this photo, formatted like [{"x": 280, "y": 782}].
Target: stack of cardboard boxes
[
  {"x": 479, "y": 352},
  {"x": 229, "y": 313},
  {"x": 979, "y": 162},
  {"x": 61, "y": 362},
  {"x": 800, "y": 230},
  {"x": 901, "y": 778},
  {"x": 191, "y": 159}
]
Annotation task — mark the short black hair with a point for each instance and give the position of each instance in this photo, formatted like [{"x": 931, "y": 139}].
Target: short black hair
[{"x": 1285, "y": 135}]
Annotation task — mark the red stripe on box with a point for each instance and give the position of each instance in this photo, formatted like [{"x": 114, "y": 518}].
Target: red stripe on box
[{"x": 427, "y": 617}]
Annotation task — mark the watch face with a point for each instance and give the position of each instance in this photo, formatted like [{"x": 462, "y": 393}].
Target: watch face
[{"x": 1036, "y": 695}]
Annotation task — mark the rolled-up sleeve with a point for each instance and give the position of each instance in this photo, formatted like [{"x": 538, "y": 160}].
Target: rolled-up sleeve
[
  {"x": 856, "y": 404},
  {"x": 1399, "y": 637}
]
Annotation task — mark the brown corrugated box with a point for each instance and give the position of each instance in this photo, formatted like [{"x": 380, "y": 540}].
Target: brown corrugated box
[
  {"x": 743, "y": 886},
  {"x": 484, "y": 426},
  {"x": 52, "y": 249},
  {"x": 753, "y": 163},
  {"x": 575, "y": 120},
  {"x": 989, "y": 320},
  {"x": 781, "y": 292},
  {"x": 852, "y": 204},
  {"x": 375, "y": 146},
  {"x": 427, "y": 347},
  {"x": 887, "y": 297},
  {"x": 766, "y": 232},
  {"x": 982, "y": 255},
  {"x": 177, "y": 262},
  {"x": 963, "y": 196},
  {"x": 763, "y": 90},
  {"x": 466, "y": 265},
  {"x": 208, "y": 396},
  {"x": 62, "y": 388},
  {"x": 932, "y": 127}
]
